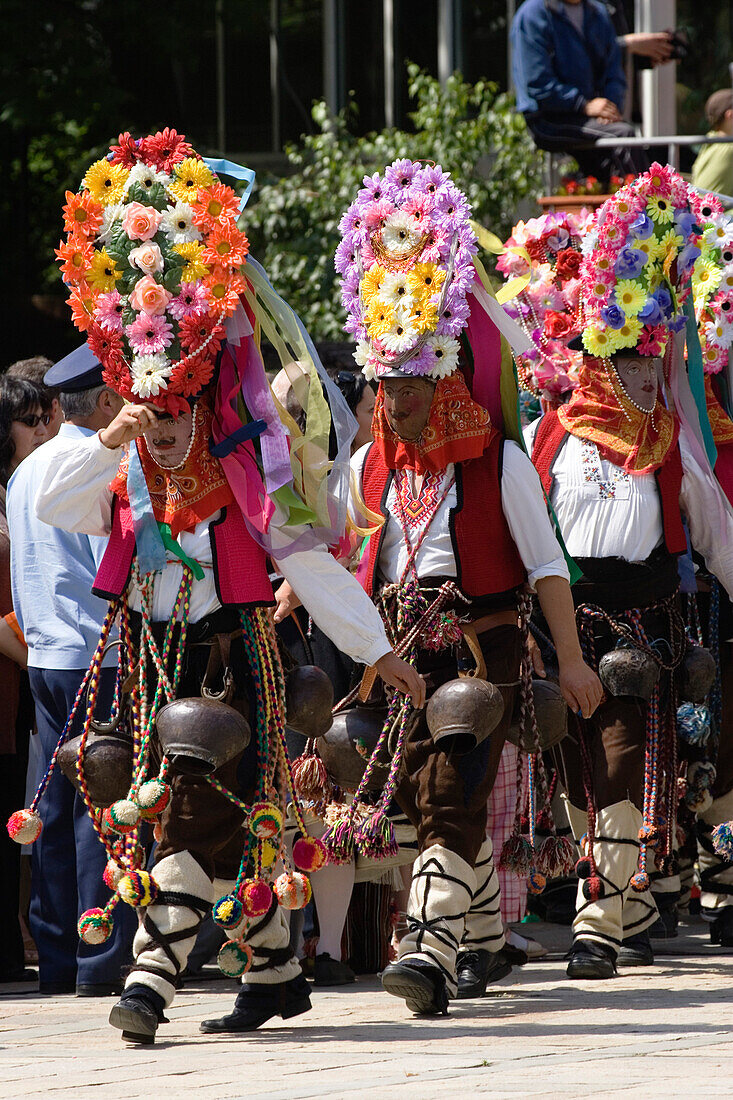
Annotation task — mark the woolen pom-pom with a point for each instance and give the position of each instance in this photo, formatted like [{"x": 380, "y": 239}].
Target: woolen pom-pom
[
  {"x": 24, "y": 826},
  {"x": 227, "y": 911},
  {"x": 722, "y": 837},
  {"x": 268, "y": 853},
  {"x": 593, "y": 888},
  {"x": 152, "y": 798},
  {"x": 137, "y": 888},
  {"x": 309, "y": 854},
  {"x": 639, "y": 882},
  {"x": 112, "y": 874},
  {"x": 234, "y": 959},
  {"x": 292, "y": 890},
  {"x": 123, "y": 816},
  {"x": 94, "y": 926},
  {"x": 256, "y": 897},
  {"x": 583, "y": 867},
  {"x": 536, "y": 882},
  {"x": 265, "y": 820}
]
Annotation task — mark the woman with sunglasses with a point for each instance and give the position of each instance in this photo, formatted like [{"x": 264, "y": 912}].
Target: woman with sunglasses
[{"x": 25, "y": 413}]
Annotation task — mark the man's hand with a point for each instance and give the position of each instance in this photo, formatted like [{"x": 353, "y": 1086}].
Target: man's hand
[
  {"x": 130, "y": 423},
  {"x": 581, "y": 688},
  {"x": 657, "y": 47},
  {"x": 286, "y": 601},
  {"x": 398, "y": 674},
  {"x": 535, "y": 656},
  {"x": 602, "y": 109}
]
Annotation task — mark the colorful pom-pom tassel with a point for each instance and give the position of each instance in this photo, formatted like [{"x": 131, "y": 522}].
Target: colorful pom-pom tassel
[
  {"x": 556, "y": 857},
  {"x": 517, "y": 855},
  {"x": 310, "y": 778},
  {"x": 94, "y": 926},
  {"x": 639, "y": 882},
  {"x": 583, "y": 868},
  {"x": 723, "y": 840},
  {"x": 593, "y": 888},
  {"x": 268, "y": 853},
  {"x": 152, "y": 798},
  {"x": 227, "y": 912},
  {"x": 292, "y": 890},
  {"x": 265, "y": 820},
  {"x": 122, "y": 817},
  {"x": 375, "y": 837},
  {"x": 137, "y": 888},
  {"x": 24, "y": 826},
  {"x": 309, "y": 854},
  {"x": 235, "y": 958},
  {"x": 536, "y": 882},
  {"x": 340, "y": 840},
  {"x": 112, "y": 874},
  {"x": 256, "y": 897},
  {"x": 694, "y": 723}
]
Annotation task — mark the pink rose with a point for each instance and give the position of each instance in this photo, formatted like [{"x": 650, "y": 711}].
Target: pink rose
[
  {"x": 150, "y": 296},
  {"x": 147, "y": 257},
  {"x": 140, "y": 222}
]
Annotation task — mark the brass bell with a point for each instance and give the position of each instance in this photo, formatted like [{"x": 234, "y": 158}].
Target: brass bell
[
  {"x": 106, "y": 765},
  {"x": 629, "y": 671},
  {"x": 200, "y": 735},
  {"x": 347, "y": 747},
  {"x": 551, "y": 712},
  {"x": 308, "y": 700},
  {"x": 463, "y": 713},
  {"x": 698, "y": 674}
]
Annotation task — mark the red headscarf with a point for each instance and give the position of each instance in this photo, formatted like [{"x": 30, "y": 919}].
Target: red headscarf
[
  {"x": 600, "y": 411},
  {"x": 457, "y": 430}
]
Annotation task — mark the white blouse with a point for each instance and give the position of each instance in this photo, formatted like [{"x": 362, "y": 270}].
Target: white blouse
[
  {"x": 522, "y": 503},
  {"x": 603, "y": 511},
  {"x": 75, "y": 496}
]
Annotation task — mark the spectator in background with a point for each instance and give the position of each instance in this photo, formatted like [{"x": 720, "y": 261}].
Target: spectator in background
[
  {"x": 24, "y": 410},
  {"x": 570, "y": 83},
  {"x": 713, "y": 169},
  {"x": 52, "y": 576},
  {"x": 33, "y": 370}
]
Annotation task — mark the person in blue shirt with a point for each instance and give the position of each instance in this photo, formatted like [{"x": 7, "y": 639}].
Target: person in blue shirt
[
  {"x": 570, "y": 83},
  {"x": 52, "y": 573}
]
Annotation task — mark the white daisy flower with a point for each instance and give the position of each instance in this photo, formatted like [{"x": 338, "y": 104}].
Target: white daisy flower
[
  {"x": 726, "y": 283},
  {"x": 394, "y": 290},
  {"x": 589, "y": 243},
  {"x": 146, "y": 177},
  {"x": 716, "y": 334},
  {"x": 150, "y": 374},
  {"x": 177, "y": 223},
  {"x": 445, "y": 354},
  {"x": 400, "y": 337},
  {"x": 111, "y": 219},
  {"x": 362, "y": 352},
  {"x": 399, "y": 233},
  {"x": 370, "y": 371},
  {"x": 720, "y": 233}
]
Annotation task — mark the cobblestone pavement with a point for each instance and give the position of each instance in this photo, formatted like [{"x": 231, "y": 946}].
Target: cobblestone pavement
[{"x": 664, "y": 1031}]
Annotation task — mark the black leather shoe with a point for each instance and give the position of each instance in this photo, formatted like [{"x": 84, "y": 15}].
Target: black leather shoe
[
  {"x": 591, "y": 960},
  {"x": 665, "y": 926},
  {"x": 23, "y": 975},
  {"x": 99, "y": 989},
  {"x": 137, "y": 1014},
  {"x": 636, "y": 951},
  {"x": 721, "y": 930},
  {"x": 421, "y": 985},
  {"x": 256, "y": 1004},
  {"x": 56, "y": 989},
  {"x": 328, "y": 971},
  {"x": 477, "y": 969}
]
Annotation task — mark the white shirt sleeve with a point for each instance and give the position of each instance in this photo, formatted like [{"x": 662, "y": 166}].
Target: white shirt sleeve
[
  {"x": 337, "y": 603},
  {"x": 709, "y": 517},
  {"x": 523, "y": 504},
  {"x": 74, "y": 493}
]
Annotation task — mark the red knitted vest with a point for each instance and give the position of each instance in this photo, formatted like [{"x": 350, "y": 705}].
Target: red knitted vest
[
  {"x": 240, "y": 565},
  {"x": 487, "y": 560},
  {"x": 550, "y": 439}
]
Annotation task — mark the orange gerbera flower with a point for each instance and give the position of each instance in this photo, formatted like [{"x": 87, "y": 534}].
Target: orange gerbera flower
[
  {"x": 82, "y": 214},
  {"x": 215, "y": 205},
  {"x": 226, "y": 245},
  {"x": 75, "y": 256},
  {"x": 81, "y": 301},
  {"x": 224, "y": 289}
]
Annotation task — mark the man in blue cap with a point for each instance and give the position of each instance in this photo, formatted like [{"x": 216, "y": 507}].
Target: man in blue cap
[{"x": 52, "y": 574}]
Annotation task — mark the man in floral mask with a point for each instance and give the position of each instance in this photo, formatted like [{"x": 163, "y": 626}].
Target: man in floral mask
[
  {"x": 196, "y": 481},
  {"x": 621, "y": 468},
  {"x": 463, "y": 529}
]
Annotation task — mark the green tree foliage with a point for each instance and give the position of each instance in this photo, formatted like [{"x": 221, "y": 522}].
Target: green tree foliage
[{"x": 473, "y": 131}]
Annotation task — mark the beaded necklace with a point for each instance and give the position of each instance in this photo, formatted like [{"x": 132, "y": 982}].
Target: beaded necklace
[{"x": 184, "y": 460}]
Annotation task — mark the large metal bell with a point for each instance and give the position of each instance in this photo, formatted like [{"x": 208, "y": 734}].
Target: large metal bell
[
  {"x": 107, "y": 766},
  {"x": 347, "y": 747},
  {"x": 629, "y": 672},
  {"x": 463, "y": 713},
  {"x": 309, "y": 700},
  {"x": 200, "y": 735},
  {"x": 698, "y": 674},
  {"x": 551, "y": 712}
]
